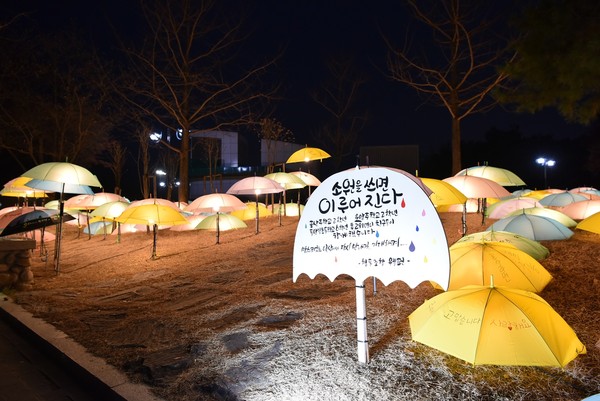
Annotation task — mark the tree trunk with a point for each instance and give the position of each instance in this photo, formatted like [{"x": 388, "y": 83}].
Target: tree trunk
[
  {"x": 184, "y": 163},
  {"x": 456, "y": 153}
]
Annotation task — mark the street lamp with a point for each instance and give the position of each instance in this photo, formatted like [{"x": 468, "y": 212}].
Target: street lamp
[{"x": 542, "y": 161}]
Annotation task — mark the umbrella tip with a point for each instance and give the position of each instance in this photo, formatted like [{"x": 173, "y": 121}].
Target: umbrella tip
[{"x": 491, "y": 281}]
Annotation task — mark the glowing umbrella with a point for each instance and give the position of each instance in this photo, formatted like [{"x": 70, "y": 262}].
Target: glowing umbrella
[
  {"x": 249, "y": 211},
  {"x": 549, "y": 213},
  {"x": 152, "y": 215},
  {"x": 255, "y": 186},
  {"x": 308, "y": 178},
  {"x": 582, "y": 210},
  {"x": 225, "y": 222},
  {"x": 473, "y": 263},
  {"x": 504, "y": 207},
  {"x": 288, "y": 181},
  {"x": 63, "y": 178},
  {"x": 591, "y": 224},
  {"x": 561, "y": 199},
  {"x": 477, "y": 187},
  {"x": 502, "y": 176},
  {"x": 111, "y": 210},
  {"x": 443, "y": 193},
  {"x": 16, "y": 188},
  {"x": 495, "y": 326},
  {"x": 213, "y": 202},
  {"x": 532, "y": 248},
  {"x": 537, "y": 228},
  {"x": 307, "y": 154}
]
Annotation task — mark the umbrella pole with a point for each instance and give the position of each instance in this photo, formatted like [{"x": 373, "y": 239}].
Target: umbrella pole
[
  {"x": 118, "y": 232},
  {"x": 257, "y": 214},
  {"x": 361, "y": 323},
  {"x": 483, "y": 210},
  {"x": 299, "y": 213},
  {"x": 154, "y": 230},
  {"x": 218, "y": 228},
  {"x": 61, "y": 212},
  {"x": 464, "y": 219},
  {"x": 104, "y": 227},
  {"x": 279, "y": 211}
]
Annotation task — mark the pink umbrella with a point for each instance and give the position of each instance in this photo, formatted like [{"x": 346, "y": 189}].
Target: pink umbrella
[
  {"x": 477, "y": 187},
  {"x": 581, "y": 210},
  {"x": 503, "y": 208},
  {"x": 255, "y": 186}
]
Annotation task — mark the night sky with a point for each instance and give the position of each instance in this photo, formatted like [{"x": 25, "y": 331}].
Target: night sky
[{"x": 310, "y": 32}]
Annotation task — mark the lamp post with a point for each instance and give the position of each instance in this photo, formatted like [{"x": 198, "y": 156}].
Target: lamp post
[{"x": 544, "y": 162}]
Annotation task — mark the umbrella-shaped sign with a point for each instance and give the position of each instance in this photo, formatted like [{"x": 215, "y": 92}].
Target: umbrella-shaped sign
[
  {"x": 537, "y": 228},
  {"x": 63, "y": 178},
  {"x": 307, "y": 154},
  {"x": 152, "y": 215},
  {"x": 473, "y": 263},
  {"x": 255, "y": 186},
  {"x": 371, "y": 222},
  {"x": 502, "y": 176},
  {"x": 495, "y": 326},
  {"x": 532, "y": 248}
]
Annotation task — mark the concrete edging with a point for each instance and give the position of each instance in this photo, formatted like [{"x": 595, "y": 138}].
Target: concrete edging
[{"x": 96, "y": 370}]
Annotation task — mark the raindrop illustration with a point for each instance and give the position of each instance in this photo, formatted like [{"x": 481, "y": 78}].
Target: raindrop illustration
[
  {"x": 411, "y": 247},
  {"x": 423, "y": 213},
  {"x": 377, "y": 234},
  {"x": 403, "y": 204},
  {"x": 417, "y": 228},
  {"x": 425, "y": 260},
  {"x": 335, "y": 259}
]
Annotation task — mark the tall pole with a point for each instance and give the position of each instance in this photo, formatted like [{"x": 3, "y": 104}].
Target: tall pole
[{"x": 361, "y": 324}]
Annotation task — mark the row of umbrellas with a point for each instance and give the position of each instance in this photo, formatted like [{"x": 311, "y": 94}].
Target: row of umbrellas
[{"x": 492, "y": 313}]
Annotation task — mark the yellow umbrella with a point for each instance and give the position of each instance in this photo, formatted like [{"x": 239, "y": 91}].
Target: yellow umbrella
[
  {"x": 495, "y": 326},
  {"x": 307, "y": 154},
  {"x": 531, "y": 247},
  {"x": 152, "y": 214},
  {"x": 220, "y": 222},
  {"x": 591, "y": 223},
  {"x": 502, "y": 176},
  {"x": 290, "y": 208},
  {"x": 443, "y": 192},
  {"x": 473, "y": 263},
  {"x": 16, "y": 188},
  {"x": 249, "y": 211}
]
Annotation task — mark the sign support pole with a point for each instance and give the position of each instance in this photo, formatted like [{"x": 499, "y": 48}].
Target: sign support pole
[{"x": 361, "y": 323}]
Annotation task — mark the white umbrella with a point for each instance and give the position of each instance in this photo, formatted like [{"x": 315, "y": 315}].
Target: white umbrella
[
  {"x": 537, "y": 228},
  {"x": 64, "y": 178},
  {"x": 255, "y": 186}
]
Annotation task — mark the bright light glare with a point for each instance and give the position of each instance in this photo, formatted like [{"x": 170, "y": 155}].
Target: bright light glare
[
  {"x": 160, "y": 172},
  {"x": 162, "y": 184},
  {"x": 542, "y": 161},
  {"x": 155, "y": 136}
]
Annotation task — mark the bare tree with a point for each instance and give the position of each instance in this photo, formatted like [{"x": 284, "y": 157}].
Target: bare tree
[
  {"x": 464, "y": 72},
  {"x": 270, "y": 130},
  {"x": 114, "y": 160},
  {"x": 339, "y": 97},
  {"x": 186, "y": 74},
  {"x": 53, "y": 107}
]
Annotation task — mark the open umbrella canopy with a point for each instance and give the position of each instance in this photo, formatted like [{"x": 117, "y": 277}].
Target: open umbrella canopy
[
  {"x": 504, "y": 207},
  {"x": 537, "y": 228},
  {"x": 249, "y": 211},
  {"x": 151, "y": 214},
  {"x": 477, "y": 187},
  {"x": 211, "y": 203},
  {"x": 98, "y": 227},
  {"x": 307, "y": 154},
  {"x": 549, "y": 213},
  {"x": 308, "y": 178},
  {"x": 287, "y": 180},
  {"x": 16, "y": 188},
  {"x": 156, "y": 201},
  {"x": 443, "y": 193},
  {"x": 591, "y": 224},
  {"x": 561, "y": 199},
  {"x": 193, "y": 221},
  {"x": 291, "y": 209},
  {"x": 581, "y": 210},
  {"x": 27, "y": 220},
  {"x": 532, "y": 248},
  {"x": 89, "y": 202},
  {"x": 226, "y": 222},
  {"x": 495, "y": 326},
  {"x": 502, "y": 176},
  {"x": 110, "y": 210},
  {"x": 61, "y": 177},
  {"x": 255, "y": 186},
  {"x": 474, "y": 263}
]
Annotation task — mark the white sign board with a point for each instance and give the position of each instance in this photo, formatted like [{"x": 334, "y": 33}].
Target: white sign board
[{"x": 372, "y": 222}]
